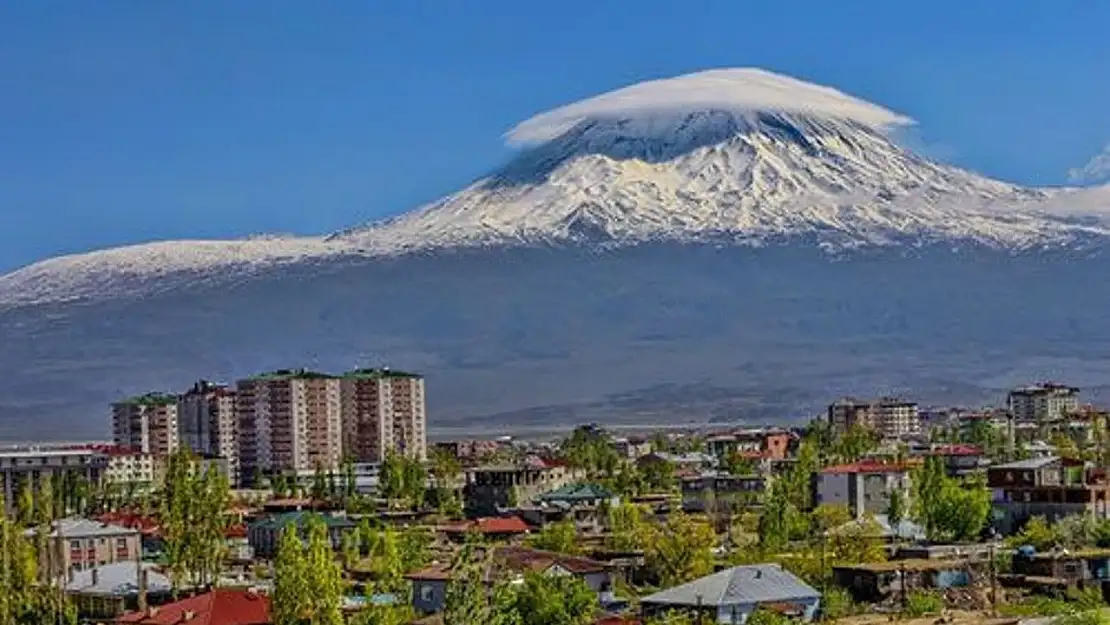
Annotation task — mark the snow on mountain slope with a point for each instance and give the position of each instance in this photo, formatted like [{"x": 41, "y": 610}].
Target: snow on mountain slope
[{"x": 739, "y": 155}]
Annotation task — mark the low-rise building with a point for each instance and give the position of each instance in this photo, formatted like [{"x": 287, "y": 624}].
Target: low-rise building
[
  {"x": 731, "y": 595},
  {"x": 718, "y": 492},
  {"x": 265, "y": 534},
  {"x": 108, "y": 591},
  {"x": 220, "y": 606},
  {"x": 79, "y": 544},
  {"x": 1051, "y": 487},
  {"x": 27, "y": 467},
  {"x": 429, "y": 586},
  {"x": 864, "y": 487},
  {"x": 632, "y": 447},
  {"x": 491, "y": 487},
  {"x": 773, "y": 444},
  {"x": 131, "y": 467}
]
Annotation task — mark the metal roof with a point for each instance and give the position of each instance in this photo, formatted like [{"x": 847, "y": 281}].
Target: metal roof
[
  {"x": 120, "y": 579},
  {"x": 758, "y": 583},
  {"x": 1032, "y": 463},
  {"x": 85, "y": 528}
]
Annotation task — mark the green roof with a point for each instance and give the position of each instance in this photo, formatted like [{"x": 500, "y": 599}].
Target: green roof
[
  {"x": 301, "y": 517},
  {"x": 378, "y": 374},
  {"x": 151, "y": 399},
  {"x": 577, "y": 492},
  {"x": 292, "y": 374}
]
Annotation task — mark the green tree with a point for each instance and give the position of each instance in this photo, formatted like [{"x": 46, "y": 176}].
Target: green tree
[
  {"x": 1036, "y": 533},
  {"x": 325, "y": 580},
  {"x": 763, "y": 616},
  {"x": 561, "y": 537},
  {"x": 319, "y": 484},
  {"x": 25, "y": 504},
  {"x": 896, "y": 508},
  {"x": 680, "y": 550},
  {"x": 415, "y": 546},
  {"x": 626, "y": 527},
  {"x": 554, "y": 600},
  {"x": 827, "y": 517},
  {"x": 658, "y": 475},
  {"x": 466, "y": 601},
  {"x": 291, "y": 604},
  {"x": 775, "y": 520}
]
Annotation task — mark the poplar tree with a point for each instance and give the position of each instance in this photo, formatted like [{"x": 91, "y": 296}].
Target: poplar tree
[
  {"x": 290, "y": 601},
  {"x": 325, "y": 587}
]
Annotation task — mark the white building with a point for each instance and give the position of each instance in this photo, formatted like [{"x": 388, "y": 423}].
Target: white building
[
  {"x": 864, "y": 487},
  {"x": 129, "y": 467},
  {"x": 890, "y": 417}
]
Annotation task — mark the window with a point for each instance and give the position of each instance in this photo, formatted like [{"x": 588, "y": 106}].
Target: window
[
  {"x": 427, "y": 592},
  {"x": 121, "y": 549}
]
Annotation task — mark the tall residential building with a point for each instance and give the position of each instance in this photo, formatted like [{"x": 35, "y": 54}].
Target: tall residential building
[
  {"x": 891, "y": 418},
  {"x": 147, "y": 423},
  {"x": 1043, "y": 402},
  {"x": 208, "y": 423},
  {"x": 383, "y": 411},
  {"x": 289, "y": 421}
]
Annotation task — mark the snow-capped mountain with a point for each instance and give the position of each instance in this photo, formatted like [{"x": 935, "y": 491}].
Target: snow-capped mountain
[
  {"x": 740, "y": 156},
  {"x": 661, "y": 251}
]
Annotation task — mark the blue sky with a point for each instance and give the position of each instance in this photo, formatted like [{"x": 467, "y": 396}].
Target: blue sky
[{"x": 125, "y": 121}]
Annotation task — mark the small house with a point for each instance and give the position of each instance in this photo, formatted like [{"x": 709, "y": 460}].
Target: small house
[{"x": 731, "y": 595}]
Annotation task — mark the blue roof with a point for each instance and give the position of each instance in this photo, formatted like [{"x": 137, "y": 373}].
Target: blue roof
[{"x": 740, "y": 585}]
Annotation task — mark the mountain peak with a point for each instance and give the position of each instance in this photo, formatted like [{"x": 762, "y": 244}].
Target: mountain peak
[{"x": 739, "y": 90}]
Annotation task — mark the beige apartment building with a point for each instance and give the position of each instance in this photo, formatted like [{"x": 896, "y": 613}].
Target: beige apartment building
[
  {"x": 147, "y": 423},
  {"x": 80, "y": 544},
  {"x": 289, "y": 421},
  {"x": 28, "y": 467},
  {"x": 1043, "y": 402},
  {"x": 890, "y": 417},
  {"x": 208, "y": 423},
  {"x": 383, "y": 411}
]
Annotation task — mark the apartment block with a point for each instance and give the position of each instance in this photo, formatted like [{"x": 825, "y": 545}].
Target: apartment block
[
  {"x": 890, "y": 417},
  {"x": 289, "y": 421},
  {"x": 383, "y": 411},
  {"x": 28, "y": 467},
  {"x": 128, "y": 467},
  {"x": 1043, "y": 402},
  {"x": 147, "y": 423},
  {"x": 208, "y": 423}
]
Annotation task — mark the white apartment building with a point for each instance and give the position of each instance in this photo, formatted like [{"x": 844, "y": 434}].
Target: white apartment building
[
  {"x": 384, "y": 411},
  {"x": 208, "y": 424},
  {"x": 127, "y": 467},
  {"x": 890, "y": 417},
  {"x": 289, "y": 421},
  {"x": 1043, "y": 402},
  {"x": 147, "y": 423},
  {"x": 864, "y": 487}
]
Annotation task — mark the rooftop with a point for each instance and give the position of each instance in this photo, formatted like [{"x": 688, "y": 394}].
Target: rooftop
[
  {"x": 79, "y": 528},
  {"x": 522, "y": 560},
  {"x": 119, "y": 579},
  {"x": 292, "y": 374},
  {"x": 222, "y": 606},
  {"x": 758, "y": 583},
  {"x": 378, "y": 374},
  {"x": 1026, "y": 465},
  {"x": 866, "y": 466},
  {"x": 575, "y": 493},
  {"x": 300, "y": 517},
  {"x": 490, "y": 525},
  {"x": 150, "y": 399}
]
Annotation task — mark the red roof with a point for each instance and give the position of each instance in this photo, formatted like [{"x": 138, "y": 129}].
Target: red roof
[
  {"x": 866, "y": 466},
  {"x": 222, "y": 606},
  {"x": 145, "y": 524},
  {"x": 236, "y": 531},
  {"x": 490, "y": 525}
]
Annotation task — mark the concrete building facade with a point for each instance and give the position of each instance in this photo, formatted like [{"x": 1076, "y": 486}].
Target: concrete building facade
[
  {"x": 146, "y": 423},
  {"x": 890, "y": 417},
  {"x": 28, "y": 467},
  {"x": 384, "y": 411},
  {"x": 1043, "y": 402},
  {"x": 289, "y": 421},
  {"x": 209, "y": 424}
]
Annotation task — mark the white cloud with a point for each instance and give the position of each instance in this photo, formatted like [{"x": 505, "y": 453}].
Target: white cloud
[
  {"x": 1096, "y": 170},
  {"x": 740, "y": 90}
]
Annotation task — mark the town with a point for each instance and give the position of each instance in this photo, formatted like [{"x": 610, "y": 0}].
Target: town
[{"x": 296, "y": 496}]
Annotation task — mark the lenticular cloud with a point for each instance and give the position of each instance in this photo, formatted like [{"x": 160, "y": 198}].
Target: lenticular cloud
[{"x": 739, "y": 90}]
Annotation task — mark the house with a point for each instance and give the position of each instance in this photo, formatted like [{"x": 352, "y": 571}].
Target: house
[
  {"x": 693, "y": 461},
  {"x": 773, "y": 444},
  {"x": 491, "y": 487},
  {"x": 429, "y": 586},
  {"x": 105, "y": 592},
  {"x": 877, "y": 581},
  {"x": 82, "y": 543},
  {"x": 1070, "y": 567},
  {"x": 863, "y": 486},
  {"x": 632, "y": 447},
  {"x": 712, "y": 491},
  {"x": 492, "y": 528},
  {"x": 960, "y": 459},
  {"x": 1051, "y": 487},
  {"x": 573, "y": 495},
  {"x": 731, "y": 595},
  {"x": 264, "y": 535},
  {"x": 221, "y": 606}
]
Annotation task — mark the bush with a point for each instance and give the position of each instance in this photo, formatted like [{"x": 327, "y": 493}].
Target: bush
[
  {"x": 836, "y": 603},
  {"x": 923, "y": 602}
]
